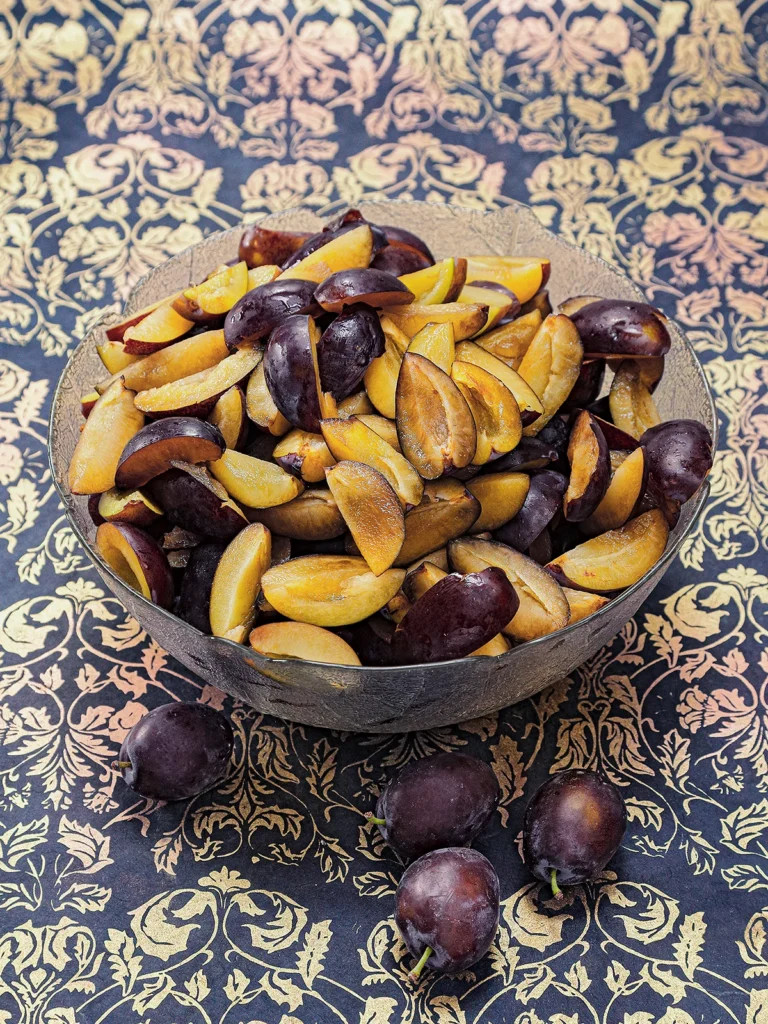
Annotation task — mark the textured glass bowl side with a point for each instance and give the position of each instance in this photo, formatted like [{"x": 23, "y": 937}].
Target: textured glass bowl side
[{"x": 421, "y": 696}]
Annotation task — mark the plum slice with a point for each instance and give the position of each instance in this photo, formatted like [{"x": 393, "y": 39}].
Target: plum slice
[
  {"x": 587, "y": 387},
  {"x": 577, "y": 302},
  {"x": 263, "y": 246},
  {"x": 439, "y": 283},
  {"x": 619, "y": 327},
  {"x": 114, "y": 356},
  {"x": 523, "y": 275},
  {"x": 229, "y": 415},
  {"x": 501, "y": 496},
  {"x": 633, "y": 409},
  {"x": 438, "y": 557},
  {"x": 138, "y": 560},
  {"x": 583, "y": 604},
  {"x": 198, "y": 393},
  {"x": 215, "y": 296},
  {"x": 381, "y": 376},
  {"x": 260, "y": 406},
  {"x": 159, "y": 328},
  {"x": 347, "y": 250},
  {"x": 551, "y": 366},
  {"x": 292, "y": 373},
  {"x": 351, "y": 439},
  {"x": 302, "y": 641},
  {"x": 623, "y": 493},
  {"x": 116, "y": 331},
  {"x": 182, "y": 359},
  {"x": 496, "y": 414},
  {"x": 132, "y": 506},
  {"x": 237, "y": 582},
  {"x": 434, "y": 422},
  {"x": 193, "y": 499},
  {"x": 436, "y": 342},
  {"x": 347, "y": 348},
  {"x": 455, "y": 617},
  {"x": 528, "y": 402},
  {"x": 590, "y": 468},
  {"x": 194, "y": 601},
  {"x": 385, "y": 428},
  {"x": 371, "y": 510},
  {"x": 532, "y": 453},
  {"x": 313, "y": 516},
  {"x": 543, "y": 606},
  {"x": 329, "y": 590},
  {"x": 679, "y": 457},
  {"x": 253, "y": 482},
  {"x": 112, "y": 422},
  {"x": 542, "y": 502},
  {"x": 615, "y": 559},
  {"x": 153, "y": 449},
  {"x": 399, "y": 260},
  {"x": 501, "y": 302},
  {"x": 87, "y": 402},
  {"x": 356, "y": 404},
  {"x": 262, "y": 309},
  {"x": 447, "y": 510},
  {"x": 467, "y": 318},
  {"x": 510, "y": 341},
  {"x": 375, "y": 288},
  {"x": 304, "y": 454}
]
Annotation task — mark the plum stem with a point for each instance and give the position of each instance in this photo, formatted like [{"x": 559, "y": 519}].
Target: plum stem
[
  {"x": 375, "y": 821},
  {"x": 413, "y": 975},
  {"x": 557, "y": 892},
  {"x": 120, "y": 766}
]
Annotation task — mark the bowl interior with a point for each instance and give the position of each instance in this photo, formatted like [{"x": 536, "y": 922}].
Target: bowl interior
[{"x": 370, "y": 699}]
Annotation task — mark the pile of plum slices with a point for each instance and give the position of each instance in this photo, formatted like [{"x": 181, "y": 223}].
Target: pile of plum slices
[{"x": 382, "y": 458}]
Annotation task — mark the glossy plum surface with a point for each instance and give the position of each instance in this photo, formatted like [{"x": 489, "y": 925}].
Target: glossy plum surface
[
  {"x": 259, "y": 311},
  {"x": 542, "y": 503},
  {"x": 346, "y": 349},
  {"x": 679, "y": 457}
]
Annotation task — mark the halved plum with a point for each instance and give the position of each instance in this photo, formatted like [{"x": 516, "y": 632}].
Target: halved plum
[
  {"x": 467, "y": 318},
  {"x": 494, "y": 410},
  {"x": 237, "y": 583},
  {"x": 312, "y": 516},
  {"x": 551, "y": 366},
  {"x": 153, "y": 449},
  {"x": 156, "y": 330},
  {"x": 618, "y": 327},
  {"x": 501, "y": 496},
  {"x": 509, "y": 342},
  {"x": 380, "y": 378},
  {"x": 111, "y": 423},
  {"x": 615, "y": 559},
  {"x": 439, "y": 283},
  {"x": 260, "y": 246},
  {"x": 434, "y": 422},
  {"x": 633, "y": 409},
  {"x": 254, "y": 483},
  {"x": 447, "y": 510},
  {"x": 182, "y": 359},
  {"x": 623, "y": 493},
  {"x": 590, "y": 468},
  {"x": 344, "y": 251},
  {"x": 455, "y": 617},
  {"x": 194, "y": 602},
  {"x": 131, "y": 506},
  {"x": 436, "y": 342},
  {"x": 347, "y": 348},
  {"x": 138, "y": 560},
  {"x": 528, "y": 401},
  {"x": 371, "y": 510},
  {"x": 260, "y": 406},
  {"x": 292, "y": 374},
  {"x": 329, "y": 590},
  {"x": 304, "y": 454},
  {"x": 302, "y": 641},
  {"x": 261, "y": 310},
  {"x": 541, "y": 504},
  {"x": 229, "y": 415},
  {"x": 215, "y": 296},
  {"x": 198, "y": 393},
  {"x": 679, "y": 457},
  {"x": 193, "y": 499},
  {"x": 375, "y": 288}
]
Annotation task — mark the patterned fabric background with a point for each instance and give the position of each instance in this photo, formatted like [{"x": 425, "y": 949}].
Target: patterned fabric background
[{"x": 127, "y": 132}]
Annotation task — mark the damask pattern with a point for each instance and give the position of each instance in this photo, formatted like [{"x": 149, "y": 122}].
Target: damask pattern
[{"x": 128, "y": 131}]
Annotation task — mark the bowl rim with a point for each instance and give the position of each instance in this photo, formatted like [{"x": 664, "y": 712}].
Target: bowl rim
[{"x": 670, "y": 552}]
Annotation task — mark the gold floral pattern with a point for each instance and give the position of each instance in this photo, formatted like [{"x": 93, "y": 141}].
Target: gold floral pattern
[{"x": 130, "y": 130}]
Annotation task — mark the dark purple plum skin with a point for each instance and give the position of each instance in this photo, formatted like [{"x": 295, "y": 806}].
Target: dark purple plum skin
[
  {"x": 618, "y": 327},
  {"x": 542, "y": 502},
  {"x": 177, "y": 751},
  {"x": 261, "y": 310},
  {"x": 573, "y": 824},
  {"x": 587, "y": 387},
  {"x": 371, "y": 640},
  {"x": 578, "y": 507},
  {"x": 514, "y": 310},
  {"x": 678, "y": 454},
  {"x": 542, "y": 550},
  {"x": 455, "y": 617},
  {"x": 618, "y": 440},
  {"x": 398, "y": 260},
  {"x": 401, "y": 236},
  {"x": 442, "y": 800},
  {"x": 289, "y": 371},
  {"x": 376, "y": 288},
  {"x": 183, "y": 438},
  {"x": 93, "y": 510},
  {"x": 279, "y": 244},
  {"x": 195, "y": 592},
  {"x": 347, "y": 348},
  {"x": 449, "y": 900},
  {"x": 531, "y": 453},
  {"x": 190, "y": 504}
]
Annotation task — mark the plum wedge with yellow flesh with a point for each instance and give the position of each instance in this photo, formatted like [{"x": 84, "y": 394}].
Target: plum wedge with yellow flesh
[
  {"x": 347, "y": 348},
  {"x": 383, "y": 427},
  {"x": 618, "y": 327},
  {"x": 510, "y": 341},
  {"x": 437, "y": 284},
  {"x": 292, "y": 373},
  {"x": 679, "y": 457},
  {"x": 182, "y": 359},
  {"x": 357, "y": 404},
  {"x": 253, "y": 482},
  {"x": 421, "y": 579},
  {"x": 528, "y": 402},
  {"x": 590, "y": 468},
  {"x": 260, "y": 406},
  {"x": 114, "y": 356},
  {"x": 304, "y": 454},
  {"x": 375, "y": 288},
  {"x": 523, "y": 275},
  {"x": 371, "y": 510},
  {"x": 237, "y": 583},
  {"x": 633, "y": 409},
  {"x": 434, "y": 422},
  {"x": 154, "y": 448},
  {"x": 447, "y": 510},
  {"x": 436, "y": 343},
  {"x": 615, "y": 559},
  {"x": 501, "y": 496},
  {"x": 501, "y": 302},
  {"x": 133, "y": 506},
  {"x": 542, "y": 502},
  {"x": 302, "y": 641},
  {"x": 583, "y": 604},
  {"x": 351, "y": 439},
  {"x": 467, "y": 318},
  {"x": 543, "y": 606},
  {"x": 329, "y": 590},
  {"x": 159, "y": 328},
  {"x": 138, "y": 560},
  {"x": 381, "y": 376},
  {"x": 117, "y": 330},
  {"x": 262, "y": 246},
  {"x": 623, "y": 493},
  {"x": 346, "y": 251},
  {"x": 229, "y": 415},
  {"x": 455, "y": 617},
  {"x": 551, "y": 366},
  {"x": 194, "y": 500},
  {"x": 259, "y": 311},
  {"x": 112, "y": 422},
  {"x": 215, "y": 296},
  {"x": 313, "y": 516},
  {"x": 198, "y": 393},
  {"x": 494, "y": 409}
]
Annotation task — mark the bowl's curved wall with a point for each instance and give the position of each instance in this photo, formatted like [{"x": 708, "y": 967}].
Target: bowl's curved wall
[{"x": 417, "y": 697}]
